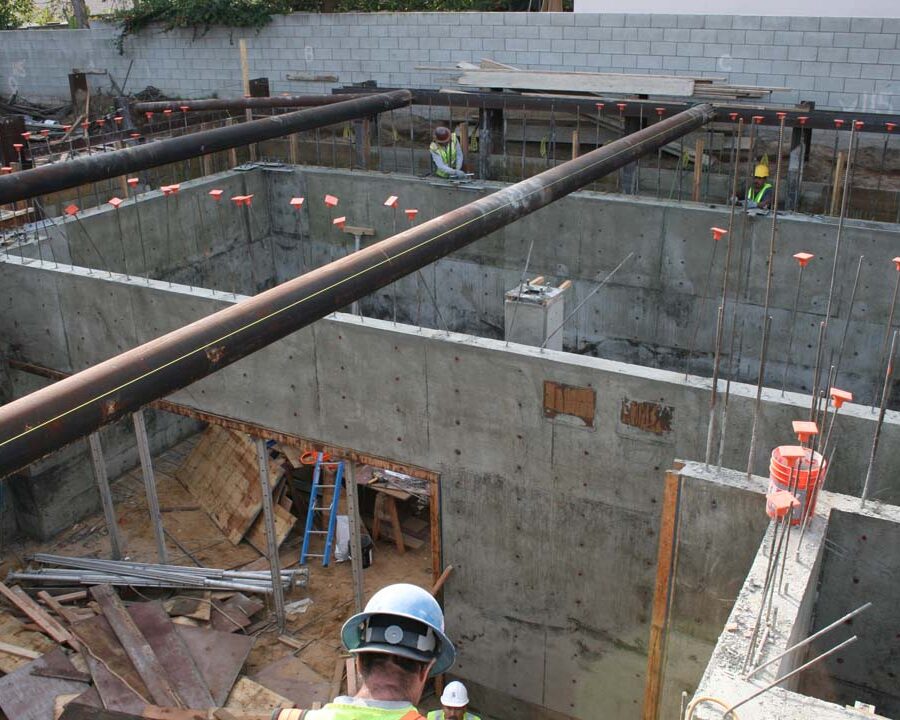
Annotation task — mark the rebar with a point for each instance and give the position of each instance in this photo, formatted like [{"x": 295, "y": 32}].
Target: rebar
[
  {"x": 759, "y": 384},
  {"x": 888, "y": 375},
  {"x": 840, "y": 356}
]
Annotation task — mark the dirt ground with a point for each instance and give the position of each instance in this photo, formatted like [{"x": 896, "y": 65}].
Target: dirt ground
[{"x": 329, "y": 588}]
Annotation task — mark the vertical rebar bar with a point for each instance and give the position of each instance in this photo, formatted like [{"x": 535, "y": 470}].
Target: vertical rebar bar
[
  {"x": 759, "y": 386},
  {"x": 888, "y": 375},
  {"x": 849, "y": 316},
  {"x": 790, "y": 346}
]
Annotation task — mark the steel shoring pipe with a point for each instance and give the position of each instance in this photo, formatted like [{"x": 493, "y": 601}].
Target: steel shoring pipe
[
  {"x": 251, "y": 103},
  {"x": 43, "y": 421},
  {"x": 102, "y": 166}
]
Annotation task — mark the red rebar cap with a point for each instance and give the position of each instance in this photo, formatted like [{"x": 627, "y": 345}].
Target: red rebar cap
[
  {"x": 18, "y": 146},
  {"x": 167, "y": 111},
  {"x": 6, "y": 170},
  {"x": 733, "y": 116},
  {"x": 115, "y": 202},
  {"x": 896, "y": 262},
  {"x": 838, "y": 122},
  {"x": 858, "y": 124},
  {"x": 45, "y": 132},
  {"x": 803, "y": 119},
  {"x": 718, "y": 233},
  {"x": 600, "y": 106},
  {"x": 184, "y": 108},
  {"x": 149, "y": 114},
  {"x": 216, "y": 194},
  {"x": 133, "y": 181},
  {"x": 662, "y": 111},
  {"x": 340, "y": 222},
  {"x": 331, "y": 201},
  {"x": 241, "y": 200},
  {"x": 101, "y": 122},
  {"x": 804, "y": 429},
  {"x": 791, "y": 453},
  {"x": 26, "y": 135},
  {"x": 890, "y": 126},
  {"x": 297, "y": 202},
  {"x": 803, "y": 258},
  {"x": 391, "y": 202},
  {"x": 71, "y": 210},
  {"x": 85, "y": 125},
  {"x": 135, "y": 135},
  {"x": 781, "y": 115},
  {"x": 781, "y": 502},
  {"x": 67, "y": 127},
  {"x": 758, "y": 119},
  {"x": 411, "y": 213},
  {"x": 839, "y": 397},
  {"x": 621, "y": 106},
  {"x": 118, "y": 119}
]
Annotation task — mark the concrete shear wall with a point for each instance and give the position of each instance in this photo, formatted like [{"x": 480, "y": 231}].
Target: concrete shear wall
[
  {"x": 550, "y": 523},
  {"x": 849, "y": 63}
]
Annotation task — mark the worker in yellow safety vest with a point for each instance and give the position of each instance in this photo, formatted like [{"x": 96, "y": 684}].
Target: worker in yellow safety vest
[
  {"x": 760, "y": 194},
  {"x": 454, "y": 704},
  {"x": 446, "y": 154},
  {"x": 398, "y": 642}
]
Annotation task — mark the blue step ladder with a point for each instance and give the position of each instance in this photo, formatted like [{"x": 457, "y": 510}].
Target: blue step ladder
[{"x": 314, "y": 496}]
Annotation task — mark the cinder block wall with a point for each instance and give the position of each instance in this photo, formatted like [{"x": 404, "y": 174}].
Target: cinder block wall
[{"x": 848, "y": 63}]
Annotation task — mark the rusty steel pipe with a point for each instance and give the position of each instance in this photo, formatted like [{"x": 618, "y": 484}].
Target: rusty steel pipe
[
  {"x": 242, "y": 103},
  {"x": 48, "y": 419},
  {"x": 102, "y": 166}
]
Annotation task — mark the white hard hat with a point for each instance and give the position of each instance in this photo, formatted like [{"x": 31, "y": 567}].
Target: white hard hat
[{"x": 455, "y": 695}]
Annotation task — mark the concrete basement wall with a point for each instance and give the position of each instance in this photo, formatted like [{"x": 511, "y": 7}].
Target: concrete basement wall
[
  {"x": 835, "y": 62},
  {"x": 550, "y": 523},
  {"x": 648, "y": 313}
]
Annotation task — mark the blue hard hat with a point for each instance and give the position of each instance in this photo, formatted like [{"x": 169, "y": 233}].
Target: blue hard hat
[{"x": 403, "y": 620}]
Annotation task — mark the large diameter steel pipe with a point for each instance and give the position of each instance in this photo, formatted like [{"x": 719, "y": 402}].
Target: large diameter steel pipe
[
  {"x": 250, "y": 103},
  {"x": 47, "y": 419},
  {"x": 101, "y": 166}
]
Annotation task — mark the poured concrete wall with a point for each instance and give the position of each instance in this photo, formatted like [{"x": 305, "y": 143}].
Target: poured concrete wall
[
  {"x": 550, "y": 523},
  {"x": 648, "y": 313},
  {"x": 836, "y": 62}
]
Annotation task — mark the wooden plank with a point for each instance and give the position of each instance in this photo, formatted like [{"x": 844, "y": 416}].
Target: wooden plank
[
  {"x": 284, "y": 523},
  {"x": 352, "y": 680},
  {"x": 60, "y": 702},
  {"x": 698, "y": 170},
  {"x": 837, "y": 184},
  {"x": 136, "y": 647},
  {"x": 219, "y": 657},
  {"x": 34, "y": 611},
  {"x": 18, "y": 651},
  {"x": 24, "y": 696},
  {"x": 118, "y": 683},
  {"x": 247, "y": 695},
  {"x": 661, "y": 596},
  {"x": 66, "y": 614},
  {"x": 196, "y": 608},
  {"x": 295, "y": 680},
  {"x": 180, "y": 668},
  {"x": 58, "y": 665},
  {"x": 580, "y": 82},
  {"x": 222, "y": 474}
]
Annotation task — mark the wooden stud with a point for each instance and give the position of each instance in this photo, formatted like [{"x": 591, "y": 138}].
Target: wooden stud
[
  {"x": 575, "y": 144},
  {"x": 19, "y": 651},
  {"x": 837, "y": 185},
  {"x": 47, "y": 624},
  {"x": 698, "y": 170}
]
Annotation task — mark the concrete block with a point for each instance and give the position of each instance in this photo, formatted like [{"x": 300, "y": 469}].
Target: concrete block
[
  {"x": 750, "y": 52},
  {"x": 587, "y": 46},
  {"x": 889, "y": 57},
  {"x": 513, "y": 44},
  {"x": 801, "y": 82},
  {"x": 816, "y": 69},
  {"x": 849, "y": 40},
  {"x": 677, "y": 35},
  {"x": 662, "y": 48},
  {"x": 613, "y": 47},
  {"x": 746, "y": 22},
  {"x": 788, "y": 38},
  {"x": 599, "y": 60},
  {"x": 650, "y": 62},
  {"x": 716, "y": 50},
  {"x": 719, "y": 22},
  {"x": 865, "y": 25},
  {"x": 624, "y": 61},
  {"x": 637, "y": 20},
  {"x": 650, "y": 33},
  {"x": 860, "y": 55},
  {"x": 624, "y": 33},
  {"x": 805, "y": 23},
  {"x": 690, "y": 49},
  {"x": 493, "y": 18},
  {"x": 673, "y": 63},
  {"x": 539, "y": 45},
  {"x": 818, "y": 39},
  {"x": 575, "y": 32},
  {"x": 881, "y": 40},
  {"x": 690, "y": 21},
  {"x": 775, "y": 23},
  {"x": 563, "y": 46},
  {"x": 467, "y": 44},
  {"x": 834, "y": 24},
  {"x": 449, "y": 43},
  {"x": 612, "y": 20},
  {"x": 800, "y": 52},
  {"x": 550, "y": 32},
  {"x": 664, "y": 21},
  {"x": 759, "y": 37},
  {"x": 876, "y": 72},
  {"x": 524, "y": 31},
  {"x": 705, "y": 36},
  {"x": 828, "y": 84},
  {"x": 703, "y": 64},
  {"x": 562, "y": 19},
  {"x": 758, "y": 66},
  {"x": 845, "y": 101},
  {"x": 637, "y": 48},
  {"x": 845, "y": 70},
  {"x": 859, "y": 85}
]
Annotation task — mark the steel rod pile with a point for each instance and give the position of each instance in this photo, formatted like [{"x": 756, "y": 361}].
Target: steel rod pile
[{"x": 89, "y": 571}]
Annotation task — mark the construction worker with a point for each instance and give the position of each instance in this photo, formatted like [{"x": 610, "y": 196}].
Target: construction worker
[
  {"x": 760, "y": 194},
  {"x": 446, "y": 154},
  {"x": 399, "y": 642},
  {"x": 454, "y": 704}
]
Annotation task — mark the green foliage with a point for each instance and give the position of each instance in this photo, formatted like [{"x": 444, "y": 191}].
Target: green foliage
[{"x": 15, "y": 12}]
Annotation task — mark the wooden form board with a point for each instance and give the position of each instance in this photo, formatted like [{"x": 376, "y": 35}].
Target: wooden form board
[
  {"x": 13, "y": 632},
  {"x": 581, "y": 82},
  {"x": 25, "y": 696},
  {"x": 284, "y": 523},
  {"x": 295, "y": 680},
  {"x": 219, "y": 657},
  {"x": 248, "y": 695},
  {"x": 223, "y": 475}
]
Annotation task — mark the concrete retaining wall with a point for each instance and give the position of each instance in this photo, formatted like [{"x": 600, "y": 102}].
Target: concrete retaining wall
[
  {"x": 550, "y": 523},
  {"x": 849, "y": 63}
]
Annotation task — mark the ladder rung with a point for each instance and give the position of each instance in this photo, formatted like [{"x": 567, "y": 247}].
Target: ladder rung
[
  {"x": 325, "y": 486},
  {"x": 313, "y": 555},
  {"x": 317, "y": 532},
  {"x": 327, "y": 507}
]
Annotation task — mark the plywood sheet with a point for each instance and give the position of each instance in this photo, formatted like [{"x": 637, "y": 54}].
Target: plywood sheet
[
  {"x": 25, "y": 696},
  {"x": 284, "y": 523},
  {"x": 295, "y": 680},
  {"x": 223, "y": 476},
  {"x": 580, "y": 82},
  {"x": 13, "y": 631},
  {"x": 248, "y": 695},
  {"x": 219, "y": 656}
]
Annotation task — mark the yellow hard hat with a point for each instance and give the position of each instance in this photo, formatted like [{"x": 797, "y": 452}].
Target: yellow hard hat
[{"x": 761, "y": 171}]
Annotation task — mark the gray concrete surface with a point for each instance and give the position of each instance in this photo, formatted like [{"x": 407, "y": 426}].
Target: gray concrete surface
[
  {"x": 551, "y": 524},
  {"x": 835, "y": 62}
]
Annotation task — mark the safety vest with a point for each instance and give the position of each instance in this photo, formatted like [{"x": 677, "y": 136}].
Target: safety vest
[
  {"x": 439, "y": 715},
  {"x": 447, "y": 153},
  {"x": 760, "y": 195},
  {"x": 338, "y": 711}
]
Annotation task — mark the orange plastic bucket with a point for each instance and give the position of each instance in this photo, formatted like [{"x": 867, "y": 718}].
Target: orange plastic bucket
[{"x": 805, "y": 474}]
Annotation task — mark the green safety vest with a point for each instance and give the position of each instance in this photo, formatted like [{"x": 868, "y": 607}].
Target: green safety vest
[
  {"x": 439, "y": 715},
  {"x": 447, "y": 153},
  {"x": 339, "y": 711},
  {"x": 759, "y": 196}
]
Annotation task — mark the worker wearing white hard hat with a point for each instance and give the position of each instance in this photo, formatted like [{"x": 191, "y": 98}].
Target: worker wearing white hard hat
[
  {"x": 398, "y": 642},
  {"x": 454, "y": 704}
]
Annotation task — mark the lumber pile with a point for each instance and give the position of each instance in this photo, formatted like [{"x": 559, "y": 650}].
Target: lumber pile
[{"x": 90, "y": 654}]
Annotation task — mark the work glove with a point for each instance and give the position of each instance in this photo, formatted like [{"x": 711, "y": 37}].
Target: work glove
[{"x": 460, "y": 174}]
